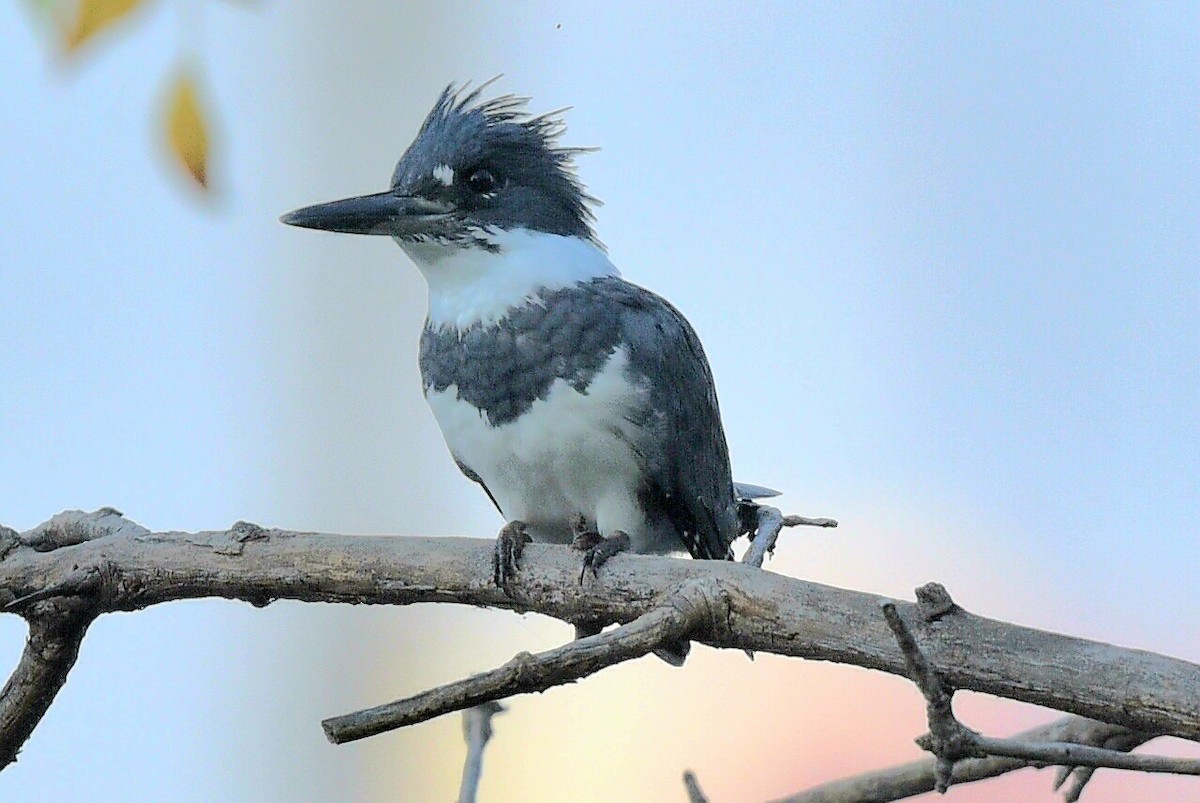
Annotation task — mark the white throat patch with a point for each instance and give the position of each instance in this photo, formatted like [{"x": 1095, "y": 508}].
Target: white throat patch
[{"x": 474, "y": 285}]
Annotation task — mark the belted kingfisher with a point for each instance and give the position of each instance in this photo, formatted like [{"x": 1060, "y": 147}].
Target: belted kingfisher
[{"x": 582, "y": 403}]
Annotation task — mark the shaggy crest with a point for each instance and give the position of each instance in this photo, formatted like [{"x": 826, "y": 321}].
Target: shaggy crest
[{"x": 464, "y": 133}]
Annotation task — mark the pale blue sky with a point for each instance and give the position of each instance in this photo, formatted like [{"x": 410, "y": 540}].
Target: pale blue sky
[{"x": 943, "y": 259}]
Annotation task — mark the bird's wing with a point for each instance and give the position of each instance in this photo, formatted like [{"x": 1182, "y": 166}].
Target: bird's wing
[{"x": 686, "y": 457}]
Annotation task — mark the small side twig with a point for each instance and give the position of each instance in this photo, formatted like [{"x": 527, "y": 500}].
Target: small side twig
[
  {"x": 768, "y": 523},
  {"x": 56, "y": 629},
  {"x": 477, "y": 730},
  {"x": 950, "y": 741},
  {"x": 793, "y": 520},
  {"x": 1081, "y": 755},
  {"x": 689, "y": 612},
  {"x": 917, "y": 777},
  {"x": 692, "y": 785},
  {"x": 1072, "y": 780}
]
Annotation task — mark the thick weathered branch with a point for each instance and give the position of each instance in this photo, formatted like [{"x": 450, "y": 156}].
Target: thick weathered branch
[{"x": 767, "y": 612}]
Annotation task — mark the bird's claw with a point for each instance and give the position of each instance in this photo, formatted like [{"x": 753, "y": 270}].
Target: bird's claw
[
  {"x": 585, "y": 535},
  {"x": 598, "y": 552},
  {"x": 509, "y": 546}
]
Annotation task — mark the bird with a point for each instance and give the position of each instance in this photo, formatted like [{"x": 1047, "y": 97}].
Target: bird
[{"x": 583, "y": 404}]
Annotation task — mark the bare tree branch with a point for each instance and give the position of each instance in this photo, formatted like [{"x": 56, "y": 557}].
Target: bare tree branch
[
  {"x": 56, "y": 629},
  {"x": 918, "y": 777},
  {"x": 769, "y": 524},
  {"x": 764, "y": 523},
  {"x": 1081, "y": 755},
  {"x": 111, "y": 564},
  {"x": 695, "y": 605},
  {"x": 1117, "y": 739},
  {"x": 950, "y": 741}
]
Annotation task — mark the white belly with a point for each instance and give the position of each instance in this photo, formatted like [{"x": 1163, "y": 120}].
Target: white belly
[{"x": 570, "y": 453}]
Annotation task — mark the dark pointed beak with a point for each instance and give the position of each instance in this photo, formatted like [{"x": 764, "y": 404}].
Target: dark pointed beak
[{"x": 384, "y": 213}]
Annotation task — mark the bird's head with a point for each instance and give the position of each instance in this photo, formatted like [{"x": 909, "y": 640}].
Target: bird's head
[{"x": 476, "y": 168}]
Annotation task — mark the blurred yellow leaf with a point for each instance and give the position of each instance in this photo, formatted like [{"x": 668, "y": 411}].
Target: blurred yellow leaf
[
  {"x": 93, "y": 16},
  {"x": 187, "y": 131}
]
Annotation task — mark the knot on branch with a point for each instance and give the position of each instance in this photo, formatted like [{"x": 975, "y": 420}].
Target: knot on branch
[
  {"x": 705, "y": 604},
  {"x": 935, "y": 602},
  {"x": 948, "y": 739},
  {"x": 91, "y": 588},
  {"x": 9, "y": 540},
  {"x": 73, "y": 527},
  {"x": 240, "y": 534},
  {"x": 951, "y": 741},
  {"x": 518, "y": 668}
]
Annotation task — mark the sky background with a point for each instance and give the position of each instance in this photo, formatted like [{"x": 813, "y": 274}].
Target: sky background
[{"x": 943, "y": 259}]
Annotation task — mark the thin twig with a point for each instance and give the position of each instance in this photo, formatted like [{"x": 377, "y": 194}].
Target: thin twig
[
  {"x": 692, "y": 785},
  {"x": 770, "y": 522},
  {"x": 764, "y": 524},
  {"x": 477, "y": 730},
  {"x": 792, "y": 520},
  {"x": 918, "y": 777},
  {"x": 685, "y": 613},
  {"x": 1080, "y": 755},
  {"x": 950, "y": 741},
  {"x": 1121, "y": 739}
]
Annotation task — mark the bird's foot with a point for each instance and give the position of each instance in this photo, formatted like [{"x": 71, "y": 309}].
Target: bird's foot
[
  {"x": 585, "y": 536},
  {"x": 597, "y": 549},
  {"x": 598, "y": 555},
  {"x": 592, "y": 541},
  {"x": 509, "y": 546}
]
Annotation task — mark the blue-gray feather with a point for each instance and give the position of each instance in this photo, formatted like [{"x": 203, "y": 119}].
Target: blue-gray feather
[
  {"x": 502, "y": 368},
  {"x": 687, "y": 460},
  {"x": 568, "y": 334}
]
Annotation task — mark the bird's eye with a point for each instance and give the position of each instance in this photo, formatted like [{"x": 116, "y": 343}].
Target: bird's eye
[{"x": 482, "y": 181}]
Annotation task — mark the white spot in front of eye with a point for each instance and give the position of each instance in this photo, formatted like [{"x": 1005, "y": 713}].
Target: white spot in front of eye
[{"x": 444, "y": 174}]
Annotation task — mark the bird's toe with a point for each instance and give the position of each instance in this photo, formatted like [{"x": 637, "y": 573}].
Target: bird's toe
[
  {"x": 584, "y": 535},
  {"x": 600, "y": 551},
  {"x": 507, "y": 555}
]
